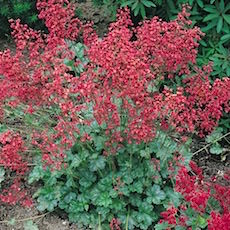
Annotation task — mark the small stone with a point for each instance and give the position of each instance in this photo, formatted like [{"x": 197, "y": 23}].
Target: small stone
[{"x": 64, "y": 222}]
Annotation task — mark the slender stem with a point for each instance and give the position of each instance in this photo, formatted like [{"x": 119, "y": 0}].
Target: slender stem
[
  {"x": 127, "y": 220},
  {"x": 131, "y": 160},
  {"x": 198, "y": 151},
  {"x": 100, "y": 173},
  {"x": 99, "y": 222},
  {"x": 227, "y": 140},
  {"x": 25, "y": 219}
]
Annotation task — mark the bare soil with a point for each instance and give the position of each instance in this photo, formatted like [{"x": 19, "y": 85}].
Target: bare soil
[{"x": 19, "y": 215}]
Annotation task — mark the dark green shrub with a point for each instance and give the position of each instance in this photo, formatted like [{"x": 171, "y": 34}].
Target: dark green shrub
[
  {"x": 132, "y": 186},
  {"x": 25, "y": 10}
]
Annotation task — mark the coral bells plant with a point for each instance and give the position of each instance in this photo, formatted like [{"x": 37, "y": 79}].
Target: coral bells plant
[
  {"x": 93, "y": 110},
  {"x": 11, "y": 147},
  {"x": 206, "y": 203}
]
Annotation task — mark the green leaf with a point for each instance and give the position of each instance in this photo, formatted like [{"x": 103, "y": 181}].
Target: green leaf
[
  {"x": 226, "y": 8},
  {"x": 99, "y": 142},
  {"x": 97, "y": 164},
  {"x": 210, "y": 17},
  {"x": 161, "y": 226},
  {"x": 2, "y": 174},
  {"x": 144, "y": 219},
  {"x": 221, "y": 5},
  {"x": 20, "y": 8},
  {"x": 48, "y": 197},
  {"x": 225, "y": 37},
  {"x": 4, "y": 11},
  {"x": 29, "y": 225},
  {"x": 3, "y": 128},
  {"x": 148, "y": 3},
  {"x": 155, "y": 194},
  {"x": 213, "y": 205},
  {"x": 12, "y": 221},
  {"x": 211, "y": 9},
  {"x": 33, "y": 18},
  {"x": 77, "y": 206},
  {"x": 87, "y": 179},
  {"x": 43, "y": 205},
  {"x": 127, "y": 3},
  {"x": 228, "y": 74},
  {"x": 36, "y": 174},
  {"x": 180, "y": 228},
  {"x": 216, "y": 134},
  {"x": 174, "y": 197},
  {"x": 200, "y": 3},
  {"x": 69, "y": 197},
  {"x": 76, "y": 161},
  {"x": 134, "y": 6},
  {"x": 203, "y": 43},
  {"x": 136, "y": 187},
  {"x": 201, "y": 222},
  {"x": 76, "y": 148},
  {"x": 219, "y": 25},
  {"x": 142, "y": 9},
  {"x": 136, "y": 10},
  {"x": 225, "y": 65},
  {"x": 171, "y": 5},
  {"x": 145, "y": 153},
  {"x": 227, "y": 18},
  {"x": 222, "y": 50},
  {"x": 104, "y": 200},
  {"x": 216, "y": 149}
]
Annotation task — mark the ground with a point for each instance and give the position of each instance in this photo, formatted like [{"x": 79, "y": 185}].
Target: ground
[{"x": 46, "y": 222}]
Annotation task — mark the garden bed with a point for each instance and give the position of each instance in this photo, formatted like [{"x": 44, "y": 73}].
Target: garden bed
[{"x": 121, "y": 157}]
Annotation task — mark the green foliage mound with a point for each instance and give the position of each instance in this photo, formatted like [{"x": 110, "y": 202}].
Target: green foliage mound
[{"x": 132, "y": 186}]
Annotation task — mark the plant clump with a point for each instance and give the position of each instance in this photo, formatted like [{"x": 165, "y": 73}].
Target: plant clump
[{"x": 110, "y": 119}]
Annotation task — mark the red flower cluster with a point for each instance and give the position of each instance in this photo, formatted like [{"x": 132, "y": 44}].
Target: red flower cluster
[
  {"x": 59, "y": 17},
  {"x": 207, "y": 100},
  {"x": 196, "y": 193},
  {"x": 35, "y": 77},
  {"x": 222, "y": 194},
  {"x": 15, "y": 194},
  {"x": 193, "y": 188},
  {"x": 170, "y": 215},
  {"x": 11, "y": 147},
  {"x": 125, "y": 63},
  {"x": 114, "y": 224},
  {"x": 219, "y": 222}
]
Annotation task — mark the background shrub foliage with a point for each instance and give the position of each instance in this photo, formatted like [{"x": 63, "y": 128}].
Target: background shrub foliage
[
  {"x": 109, "y": 120},
  {"x": 25, "y": 10}
]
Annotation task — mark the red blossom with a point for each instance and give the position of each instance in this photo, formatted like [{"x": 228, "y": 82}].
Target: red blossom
[
  {"x": 170, "y": 215},
  {"x": 197, "y": 192},
  {"x": 15, "y": 194},
  {"x": 218, "y": 221},
  {"x": 114, "y": 224},
  {"x": 193, "y": 188}
]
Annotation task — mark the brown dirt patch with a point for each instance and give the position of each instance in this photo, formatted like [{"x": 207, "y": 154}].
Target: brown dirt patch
[{"x": 21, "y": 215}]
